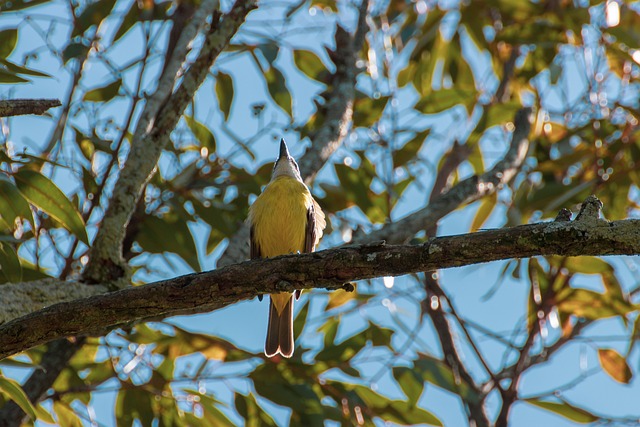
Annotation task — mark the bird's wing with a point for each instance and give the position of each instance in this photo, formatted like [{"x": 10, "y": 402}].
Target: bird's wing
[{"x": 255, "y": 249}]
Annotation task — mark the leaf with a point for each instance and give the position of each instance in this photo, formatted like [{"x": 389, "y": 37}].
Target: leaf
[
  {"x": 8, "y": 77},
  {"x": 309, "y": 63},
  {"x": 410, "y": 150},
  {"x": 409, "y": 381},
  {"x": 367, "y": 110},
  {"x": 224, "y": 92},
  {"x": 254, "y": 415},
  {"x": 202, "y": 133},
  {"x": 134, "y": 404},
  {"x": 10, "y": 264},
  {"x": 169, "y": 234},
  {"x": 74, "y": 50},
  {"x": 8, "y": 41},
  {"x": 13, "y": 391},
  {"x": 66, "y": 416},
  {"x": 46, "y": 196},
  {"x": 14, "y": 68},
  {"x": 441, "y": 100},
  {"x": 487, "y": 205},
  {"x": 92, "y": 14},
  {"x": 615, "y": 365},
  {"x": 12, "y": 204},
  {"x": 104, "y": 93},
  {"x": 566, "y": 410},
  {"x": 338, "y": 298},
  {"x": 278, "y": 89}
]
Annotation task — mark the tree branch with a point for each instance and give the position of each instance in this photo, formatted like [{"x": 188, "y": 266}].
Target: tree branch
[
  {"x": 329, "y": 269},
  {"x": 464, "y": 192},
  {"x": 151, "y": 136},
  {"x": 19, "y": 107}
]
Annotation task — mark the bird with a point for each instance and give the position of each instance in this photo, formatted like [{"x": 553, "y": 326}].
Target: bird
[{"x": 284, "y": 219}]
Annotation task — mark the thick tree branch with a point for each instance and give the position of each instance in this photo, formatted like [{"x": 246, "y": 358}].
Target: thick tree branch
[
  {"x": 330, "y": 269},
  {"x": 19, "y": 107},
  {"x": 151, "y": 136}
]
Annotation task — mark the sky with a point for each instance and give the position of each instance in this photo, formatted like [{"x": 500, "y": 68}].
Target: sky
[{"x": 467, "y": 287}]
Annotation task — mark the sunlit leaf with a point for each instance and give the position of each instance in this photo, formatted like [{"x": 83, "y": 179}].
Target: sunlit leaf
[
  {"x": 566, "y": 410},
  {"x": 615, "y": 365},
  {"x": 13, "y": 391},
  {"x": 103, "y": 93},
  {"x": 46, "y": 196},
  {"x": 487, "y": 205},
  {"x": 308, "y": 63}
]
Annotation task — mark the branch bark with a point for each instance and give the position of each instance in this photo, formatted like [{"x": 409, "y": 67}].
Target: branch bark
[
  {"x": 151, "y": 136},
  {"x": 329, "y": 269},
  {"x": 19, "y": 107}
]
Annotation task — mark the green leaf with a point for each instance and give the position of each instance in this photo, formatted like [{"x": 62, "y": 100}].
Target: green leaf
[
  {"x": 615, "y": 365},
  {"x": 13, "y": 391},
  {"x": 438, "y": 373},
  {"x": 46, "y": 196},
  {"x": 66, "y": 416},
  {"x": 104, "y": 93},
  {"x": 169, "y": 234},
  {"x": 441, "y": 100},
  {"x": 14, "y": 68},
  {"x": 91, "y": 15},
  {"x": 278, "y": 89},
  {"x": 409, "y": 381},
  {"x": 309, "y": 63},
  {"x": 134, "y": 404},
  {"x": 8, "y": 77},
  {"x": 367, "y": 110},
  {"x": 202, "y": 133},
  {"x": 224, "y": 92},
  {"x": 13, "y": 5},
  {"x": 74, "y": 50},
  {"x": 482, "y": 214},
  {"x": 410, "y": 150},
  {"x": 8, "y": 40},
  {"x": 566, "y": 410},
  {"x": 12, "y": 204},
  {"x": 10, "y": 264}
]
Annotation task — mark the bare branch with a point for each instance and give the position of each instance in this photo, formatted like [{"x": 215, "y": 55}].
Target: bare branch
[
  {"x": 329, "y": 269},
  {"x": 19, "y": 107},
  {"x": 150, "y": 138}
]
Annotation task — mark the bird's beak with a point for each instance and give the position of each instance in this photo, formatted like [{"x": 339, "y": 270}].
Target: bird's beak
[{"x": 284, "y": 151}]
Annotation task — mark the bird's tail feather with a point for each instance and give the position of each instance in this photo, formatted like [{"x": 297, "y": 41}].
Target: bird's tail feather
[{"x": 280, "y": 330}]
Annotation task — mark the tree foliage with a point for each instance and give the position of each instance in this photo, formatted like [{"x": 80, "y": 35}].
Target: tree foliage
[{"x": 396, "y": 104}]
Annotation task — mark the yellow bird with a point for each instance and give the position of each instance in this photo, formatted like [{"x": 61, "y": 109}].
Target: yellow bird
[{"x": 284, "y": 219}]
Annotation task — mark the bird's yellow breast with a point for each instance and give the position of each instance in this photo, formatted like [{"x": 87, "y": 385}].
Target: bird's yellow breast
[{"x": 279, "y": 217}]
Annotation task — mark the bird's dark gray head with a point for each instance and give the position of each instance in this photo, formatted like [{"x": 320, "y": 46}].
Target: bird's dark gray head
[{"x": 285, "y": 165}]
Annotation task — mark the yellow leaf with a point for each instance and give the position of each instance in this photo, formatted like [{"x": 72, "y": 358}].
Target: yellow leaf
[{"x": 615, "y": 365}]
